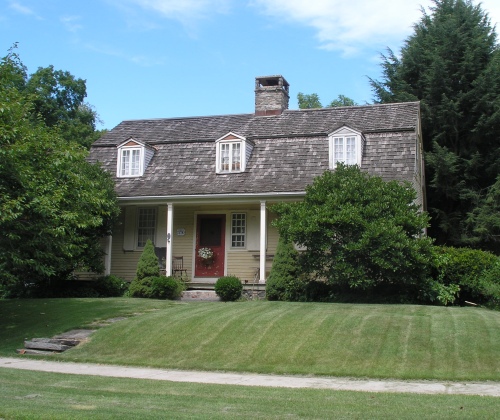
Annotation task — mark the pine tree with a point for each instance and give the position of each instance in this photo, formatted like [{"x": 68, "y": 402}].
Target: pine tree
[{"x": 451, "y": 64}]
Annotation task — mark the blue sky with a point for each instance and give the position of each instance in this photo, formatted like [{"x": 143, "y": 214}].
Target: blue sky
[{"x": 178, "y": 58}]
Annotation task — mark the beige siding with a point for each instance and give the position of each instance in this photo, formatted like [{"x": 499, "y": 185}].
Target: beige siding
[
  {"x": 123, "y": 263},
  {"x": 242, "y": 263}
]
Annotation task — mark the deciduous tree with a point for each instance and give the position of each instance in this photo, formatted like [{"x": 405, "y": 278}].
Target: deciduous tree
[
  {"x": 54, "y": 205},
  {"x": 358, "y": 230}
]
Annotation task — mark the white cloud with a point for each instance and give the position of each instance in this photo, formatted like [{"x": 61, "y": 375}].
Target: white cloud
[
  {"x": 141, "y": 60},
  {"x": 349, "y": 26},
  {"x": 71, "y": 23},
  {"x": 19, "y": 8},
  {"x": 186, "y": 11}
]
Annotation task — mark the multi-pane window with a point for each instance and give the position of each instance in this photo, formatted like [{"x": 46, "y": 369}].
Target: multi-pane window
[
  {"x": 130, "y": 162},
  {"x": 344, "y": 150},
  {"x": 230, "y": 157},
  {"x": 238, "y": 230},
  {"x": 146, "y": 226}
]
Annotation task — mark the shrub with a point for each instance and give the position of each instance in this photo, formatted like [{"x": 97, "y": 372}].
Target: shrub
[
  {"x": 110, "y": 286},
  {"x": 466, "y": 268},
  {"x": 358, "y": 230},
  {"x": 228, "y": 288},
  {"x": 148, "y": 265},
  {"x": 283, "y": 282},
  {"x": 319, "y": 291},
  {"x": 142, "y": 288},
  {"x": 166, "y": 287},
  {"x": 147, "y": 269},
  {"x": 489, "y": 286}
]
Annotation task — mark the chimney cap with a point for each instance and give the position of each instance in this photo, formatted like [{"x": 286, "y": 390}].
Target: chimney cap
[{"x": 274, "y": 80}]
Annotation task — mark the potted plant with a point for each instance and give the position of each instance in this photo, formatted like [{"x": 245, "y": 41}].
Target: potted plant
[{"x": 206, "y": 256}]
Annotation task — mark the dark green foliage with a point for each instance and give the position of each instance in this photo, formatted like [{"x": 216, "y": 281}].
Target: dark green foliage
[
  {"x": 147, "y": 269},
  {"x": 466, "y": 268},
  {"x": 307, "y": 101},
  {"x": 167, "y": 287},
  {"x": 342, "y": 100},
  {"x": 142, "y": 288},
  {"x": 104, "y": 286},
  {"x": 452, "y": 65},
  {"x": 228, "y": 288},
  {"x": 319, "y": 291},
  {"x": 490, "y": 287},
  {"x": 358, "y": 230},
  {"x": 283, "y": 282},
  {"x": 311, "y": 101},
  {"x": 110, "y": 286},
  {"x": 54, "y": 205}
]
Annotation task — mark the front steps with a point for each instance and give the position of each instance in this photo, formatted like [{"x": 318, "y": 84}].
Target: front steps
[
  {"x": 200, "y": 294},
  {"x": 198, "y": 291}
]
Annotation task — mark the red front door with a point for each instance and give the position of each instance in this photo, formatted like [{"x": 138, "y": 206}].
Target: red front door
[{"x": 210, "y": 240}]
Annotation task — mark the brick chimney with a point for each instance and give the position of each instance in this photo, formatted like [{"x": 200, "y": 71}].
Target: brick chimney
[{"x": 271, "y": 95}]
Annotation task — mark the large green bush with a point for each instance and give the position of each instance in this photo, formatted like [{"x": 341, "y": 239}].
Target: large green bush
[
  {"x": 283, "y": 282},
  {"x": 359, "y": 231},
  {"x": 228, "y": 288}
]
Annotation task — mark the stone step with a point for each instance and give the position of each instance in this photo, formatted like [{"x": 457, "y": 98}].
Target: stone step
[
  {"x": 65, "y": 341},
  {"x": 208, "y": 295},
  {"x": 45, "y": 345}
]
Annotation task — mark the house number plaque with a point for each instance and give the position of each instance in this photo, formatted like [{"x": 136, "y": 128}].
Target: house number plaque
[{"x": 181, "y": 232}]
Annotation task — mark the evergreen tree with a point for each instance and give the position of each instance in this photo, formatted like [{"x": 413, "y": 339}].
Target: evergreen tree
[
  {"x": 283, "y": 282},
  {"x": 451, "y": 64}
]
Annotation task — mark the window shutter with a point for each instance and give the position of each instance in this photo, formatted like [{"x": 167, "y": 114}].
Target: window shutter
[
  {"x": 130, "y": 228},
  {"x": 253, "y": 229},
  {"x": 161, "y": 223}
]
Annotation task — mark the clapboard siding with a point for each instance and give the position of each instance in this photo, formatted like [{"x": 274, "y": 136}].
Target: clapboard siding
[{"x": 242, "y": 263}]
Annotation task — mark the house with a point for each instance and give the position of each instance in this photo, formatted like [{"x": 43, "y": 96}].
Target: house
[{"x": 209, "y": 182}]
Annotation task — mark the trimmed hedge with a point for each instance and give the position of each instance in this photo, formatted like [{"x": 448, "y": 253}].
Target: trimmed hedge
[
  {"x": 228, "y": 288},
  {"x": 163, "y": 287}
]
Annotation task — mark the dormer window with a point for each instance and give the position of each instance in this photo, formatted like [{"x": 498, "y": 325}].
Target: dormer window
[
  {"x": 232, "y": 154},
  {"x": 130, "y": 162},
  {"x": 133, "y": 158},
  {"x": 346, "y": 146},
  {"x": 230, "y": 157}
]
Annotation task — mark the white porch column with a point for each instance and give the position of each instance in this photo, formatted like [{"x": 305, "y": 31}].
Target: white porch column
[
  {"x": 263, "y": 236},
  {"x": 107, "y": 257},
  {"x": 170, "y": 237}
]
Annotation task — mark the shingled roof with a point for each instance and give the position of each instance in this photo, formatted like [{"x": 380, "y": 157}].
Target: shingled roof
[{"x": 290, "y": 149}]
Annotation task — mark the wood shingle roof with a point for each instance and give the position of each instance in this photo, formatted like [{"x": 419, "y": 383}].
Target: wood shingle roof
[{"x": 289, "y": 149}]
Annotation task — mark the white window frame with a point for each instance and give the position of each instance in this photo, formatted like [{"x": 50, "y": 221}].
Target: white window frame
[
  {"x": 231, "y": 164},
  {"x": 143, "y": 237},
  {"x": 341, "y": 143},
  {"x": 128, "y": 174},
  {"x": 239, "y": 232}
]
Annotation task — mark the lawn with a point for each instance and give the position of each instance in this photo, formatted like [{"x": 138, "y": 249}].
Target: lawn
[
  {"x": 379, "y": 341},
  {"x": 40, "y": 395}
]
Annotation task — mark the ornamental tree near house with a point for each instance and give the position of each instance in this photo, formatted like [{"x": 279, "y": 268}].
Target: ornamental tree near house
[{"x": 358, "y": 230}]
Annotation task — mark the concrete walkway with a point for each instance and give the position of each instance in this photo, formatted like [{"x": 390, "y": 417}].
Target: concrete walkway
[{"x": 250, "y": 379}]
